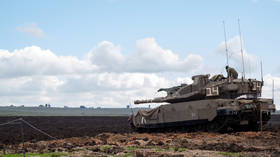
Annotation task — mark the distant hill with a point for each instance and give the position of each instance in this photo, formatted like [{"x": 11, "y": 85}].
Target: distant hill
[{"x": 43, "y": 111}]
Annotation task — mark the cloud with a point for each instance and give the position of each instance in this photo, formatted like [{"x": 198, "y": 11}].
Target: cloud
[
  {"x": 98, "y": 89},
  {"x": 31, "y": 29},
  {"x": 268, "y": 79},
  {"x": 235, "y": 58},
  {"x": 101, "y": 89},
  {"x": 106, "y": 77},
  {"x": 107, "y": 57},
  {"x": 267, "y": 89},
  {"x": 35, "y": 61},
  {"x": 148, "y": 57}
]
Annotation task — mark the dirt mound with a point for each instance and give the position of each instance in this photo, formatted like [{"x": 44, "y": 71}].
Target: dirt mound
[
  {"x": 237, "y": 142},
  {"x": 164, "y": 144}
]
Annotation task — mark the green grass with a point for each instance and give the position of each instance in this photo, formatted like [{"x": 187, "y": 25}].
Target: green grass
[
  {"x": 132, "y": 148},
  {"x": 182, "y": 149},
  {"x": 229, "y": 154},
  {"x": 106, "y": 147},
  {"x": 159, "y": 149},
  {"x": 36, "y": 154},
  {"x": 129, "y": 154}
]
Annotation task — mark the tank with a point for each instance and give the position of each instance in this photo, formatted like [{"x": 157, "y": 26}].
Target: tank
[{"x": 208, "y": 104}]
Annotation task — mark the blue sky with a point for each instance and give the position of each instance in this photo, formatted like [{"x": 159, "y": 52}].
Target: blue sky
[{"x": 74, "y": 28}]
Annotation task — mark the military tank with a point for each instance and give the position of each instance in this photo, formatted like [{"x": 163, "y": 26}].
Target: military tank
[{"x": 208, "y": 104}]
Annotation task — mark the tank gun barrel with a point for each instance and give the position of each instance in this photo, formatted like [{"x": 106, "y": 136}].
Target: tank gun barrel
[{"x": 156, "y": 100}]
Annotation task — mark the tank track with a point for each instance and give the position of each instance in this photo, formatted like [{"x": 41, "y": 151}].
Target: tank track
[{"x": 220, "y": 124}]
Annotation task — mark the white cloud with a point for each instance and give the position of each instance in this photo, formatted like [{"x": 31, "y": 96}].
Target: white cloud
[
  {"x": 31, "y": 29},
  {"x": 267, "y": 89},
  {"x": 148, "y": 57},
  {"x": 35, "y": 61},
  {"x": 107, "y": 56},
  {"x": 106, "y": 77},
  {"x": 101, "y": 89},
  {"x": 117, "y": 88},
  {"x": 235, "y": 58}
]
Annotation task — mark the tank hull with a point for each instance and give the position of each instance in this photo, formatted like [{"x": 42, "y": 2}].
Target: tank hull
[{"x": 211, "y": 115}]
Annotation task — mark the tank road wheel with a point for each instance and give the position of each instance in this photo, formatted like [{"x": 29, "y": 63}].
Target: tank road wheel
[
  {"x": 253, "y": 126},
  {"x": 132, "y": 126},
  {"x": 135, "y": 128},
  {"x": 200, "y": 128},
  {"x": 217, "y": 125},
  {"x": 212, "y": 127}
]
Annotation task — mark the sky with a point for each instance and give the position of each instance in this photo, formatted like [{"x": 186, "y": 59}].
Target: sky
[{"x": 107, "y": 53}]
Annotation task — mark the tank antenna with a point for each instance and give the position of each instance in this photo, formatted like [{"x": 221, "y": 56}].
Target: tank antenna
[
  {"x": 241, "y": 48},
  {"x": 131, "y": 107},
  {"x": 273, "y": 91},
  {"x": 225, "y": 41},
  {"x": 262, "y": 72}
]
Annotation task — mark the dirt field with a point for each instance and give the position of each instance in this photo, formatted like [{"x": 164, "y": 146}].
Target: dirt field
[
  {"x": 111, "y": 136},
  {"x": 62, "y": 127}
]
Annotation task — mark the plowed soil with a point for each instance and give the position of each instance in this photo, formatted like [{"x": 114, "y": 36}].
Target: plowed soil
[
  {"x": 111, "y": 136},
  {"x": 61, "y": 127}
]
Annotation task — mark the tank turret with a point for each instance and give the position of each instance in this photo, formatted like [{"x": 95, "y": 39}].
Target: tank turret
[{"x": 204, "y": 88}]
